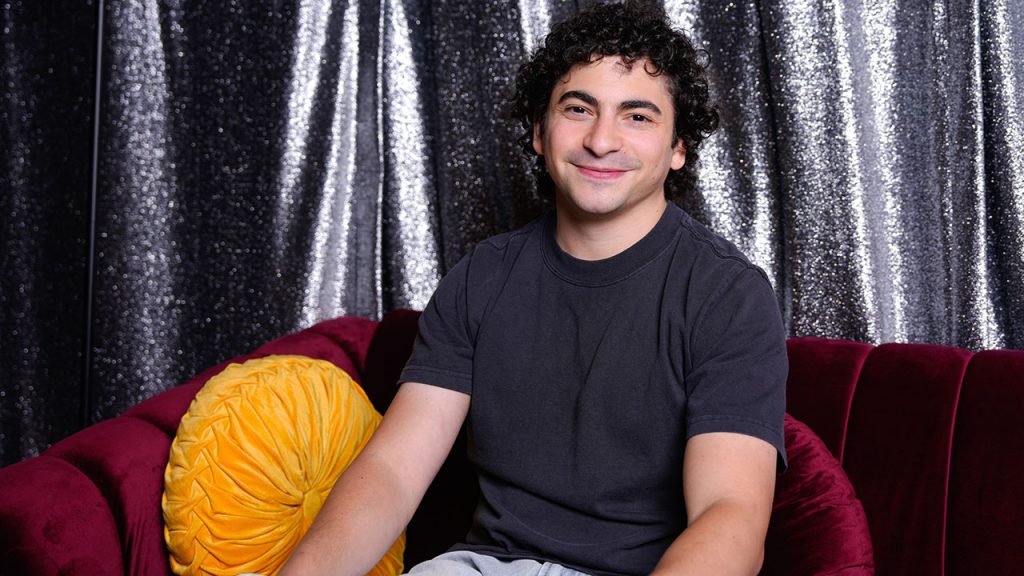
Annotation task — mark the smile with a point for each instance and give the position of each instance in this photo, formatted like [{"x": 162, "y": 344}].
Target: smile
[{"x": 599, "y": 173}]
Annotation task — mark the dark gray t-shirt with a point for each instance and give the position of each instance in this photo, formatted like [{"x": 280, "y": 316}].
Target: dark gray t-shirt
[{"x": 588, "y": 377}]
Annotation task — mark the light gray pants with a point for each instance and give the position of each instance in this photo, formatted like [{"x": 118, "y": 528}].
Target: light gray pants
[{"x": 465, "y": 563}]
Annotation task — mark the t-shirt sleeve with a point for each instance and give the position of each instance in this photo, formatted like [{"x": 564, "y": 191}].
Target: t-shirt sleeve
[
  {"x": 443, "y": 353},
  {"x": 739, "y": 365}
]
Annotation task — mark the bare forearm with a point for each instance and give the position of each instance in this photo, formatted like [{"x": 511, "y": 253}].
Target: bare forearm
[
  {"x": 722, "y": 541},
  {"x": 360, "y": 520},
  {"x": 375, "y": 498}
]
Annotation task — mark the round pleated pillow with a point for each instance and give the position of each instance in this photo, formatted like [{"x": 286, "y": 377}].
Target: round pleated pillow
[{"x": 255, "y": 457}]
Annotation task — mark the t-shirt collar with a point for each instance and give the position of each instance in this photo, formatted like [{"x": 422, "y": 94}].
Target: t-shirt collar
[{"x": 614, "y": 269}]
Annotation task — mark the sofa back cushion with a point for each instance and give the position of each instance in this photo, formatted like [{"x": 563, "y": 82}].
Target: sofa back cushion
[
  {"x": 986, "y": 498},
  {"x": 898, "y": 447},
  {"x": 822, "y": 380}
]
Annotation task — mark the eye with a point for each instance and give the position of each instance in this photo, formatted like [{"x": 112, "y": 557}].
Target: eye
[
  {"x": 639, "y": 118},
  {"x": 575, "y": 109}
]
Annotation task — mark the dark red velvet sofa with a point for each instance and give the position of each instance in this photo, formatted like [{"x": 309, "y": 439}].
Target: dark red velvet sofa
[{"x": 930, "y": 437}]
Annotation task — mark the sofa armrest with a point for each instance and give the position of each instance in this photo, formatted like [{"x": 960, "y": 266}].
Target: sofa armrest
[{"x": 46, "y": 506}]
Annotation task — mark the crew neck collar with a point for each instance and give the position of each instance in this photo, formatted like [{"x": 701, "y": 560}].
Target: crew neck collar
[{"x": 616, "y": 268}]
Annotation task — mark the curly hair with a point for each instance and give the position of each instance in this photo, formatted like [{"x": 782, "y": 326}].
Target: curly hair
[{"x": 633, "y": 31}]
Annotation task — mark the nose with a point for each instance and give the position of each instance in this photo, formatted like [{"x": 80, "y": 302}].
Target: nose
[{"x": 603, "y": 137}]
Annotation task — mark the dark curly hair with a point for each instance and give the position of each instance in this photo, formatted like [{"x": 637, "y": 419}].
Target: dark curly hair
[{"x": 633, "y": 31}]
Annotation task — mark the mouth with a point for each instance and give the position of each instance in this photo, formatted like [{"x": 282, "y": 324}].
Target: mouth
[{"x": 600, "y": 172}]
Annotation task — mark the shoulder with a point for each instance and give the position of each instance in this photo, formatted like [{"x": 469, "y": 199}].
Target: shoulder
[
  {"x": 719, "y": 285},
  {"x": 483, "y": 270},
  {"x": 495, "y": 254},
  {"x": 507, "y": 241},
  {"x": 711, "y": 251}
]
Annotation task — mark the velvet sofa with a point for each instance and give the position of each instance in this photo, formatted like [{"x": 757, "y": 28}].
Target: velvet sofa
[{"x": 929, "y": 439}]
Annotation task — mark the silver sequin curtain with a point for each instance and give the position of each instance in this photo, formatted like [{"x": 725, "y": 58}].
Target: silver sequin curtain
[{"x": 261, "y": 166}]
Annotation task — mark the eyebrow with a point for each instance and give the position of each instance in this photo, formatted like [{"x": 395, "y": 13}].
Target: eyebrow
[{"x": 626, "y": 105}]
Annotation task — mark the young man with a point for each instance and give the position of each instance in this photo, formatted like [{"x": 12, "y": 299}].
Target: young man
[{"x": 621, "y": 368}]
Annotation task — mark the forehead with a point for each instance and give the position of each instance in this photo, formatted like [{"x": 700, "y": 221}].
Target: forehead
[{"x": 615, "y": 79}]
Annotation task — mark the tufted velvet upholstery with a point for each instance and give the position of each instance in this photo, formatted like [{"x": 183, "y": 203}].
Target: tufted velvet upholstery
[
  {"x": 986, "y": 499},
  {"x": 906, "y": 393},
  {"x": 91, "y": 504},
  {"x": 825, "y": 373},
  {"x": 818, "y": 525},
  {"x": 933, "y": 445},
  {"x": 929, "y": 438}
]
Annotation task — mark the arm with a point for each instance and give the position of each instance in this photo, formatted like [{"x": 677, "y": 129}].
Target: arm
[
  {"x": 728, "y": 485},
  {"x": 377, "y": 495}
]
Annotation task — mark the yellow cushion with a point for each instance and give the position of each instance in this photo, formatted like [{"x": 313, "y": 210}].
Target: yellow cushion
[{"x": 254, "y": 459}]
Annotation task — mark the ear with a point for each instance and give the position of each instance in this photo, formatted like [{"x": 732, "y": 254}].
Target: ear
[
  {"x": 538, "y": 139},
  {"x": 678, "y": 154}
]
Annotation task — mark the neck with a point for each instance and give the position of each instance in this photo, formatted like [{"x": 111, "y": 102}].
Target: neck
[{"x": 597, "y": 237}]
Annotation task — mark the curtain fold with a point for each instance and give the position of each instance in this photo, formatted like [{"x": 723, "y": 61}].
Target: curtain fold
[
  {"x": 265, "y": 166},
  {"x": 46, "y": 112}
]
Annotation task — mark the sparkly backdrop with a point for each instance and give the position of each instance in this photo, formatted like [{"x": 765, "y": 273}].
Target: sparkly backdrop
[{"x": 260, "y": 166}]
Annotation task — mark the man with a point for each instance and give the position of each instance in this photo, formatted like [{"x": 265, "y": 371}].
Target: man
[{"x": 621, "y": 368}]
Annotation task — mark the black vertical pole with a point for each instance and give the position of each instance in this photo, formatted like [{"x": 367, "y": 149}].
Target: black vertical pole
[{"x": 85, "y": 413}]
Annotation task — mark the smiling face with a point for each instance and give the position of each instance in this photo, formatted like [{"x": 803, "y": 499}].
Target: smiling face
[{"x": 608, "y": 139}]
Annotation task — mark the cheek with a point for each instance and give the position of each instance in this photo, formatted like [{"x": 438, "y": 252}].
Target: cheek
[
  {"x": 551, "y": 166},
  {"x": 655, "y": 152},
  {"x": 557, "y": 142}
]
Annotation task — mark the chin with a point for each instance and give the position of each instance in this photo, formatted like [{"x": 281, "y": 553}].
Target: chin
[
  {"x": 596, "y": 210},
  {"x": 594, "y": 204}
]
